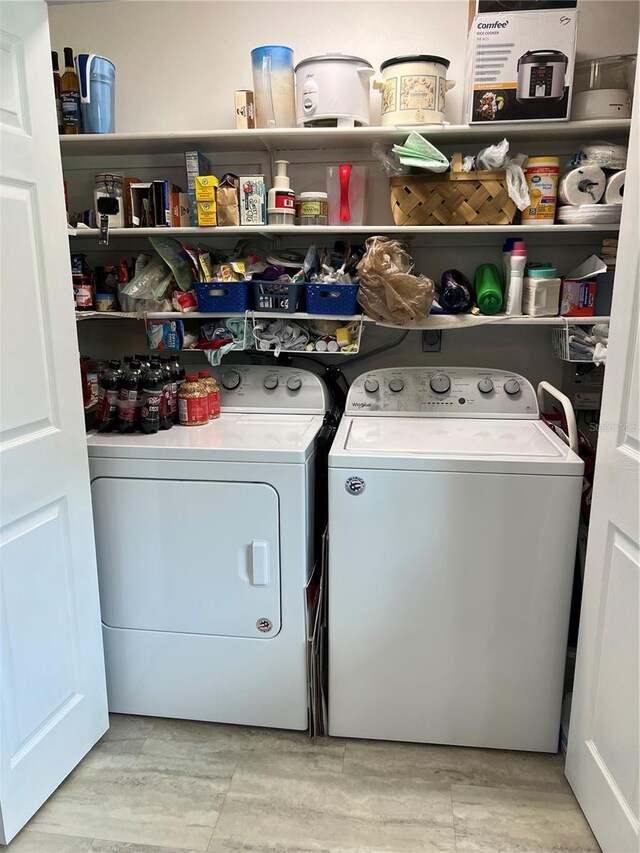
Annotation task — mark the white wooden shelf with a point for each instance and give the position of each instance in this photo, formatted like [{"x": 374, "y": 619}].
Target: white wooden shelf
[
  {"x": 291, "y": 230},
  {"x": 435, "y": 321},
  {"x": 301, "y": 138}
]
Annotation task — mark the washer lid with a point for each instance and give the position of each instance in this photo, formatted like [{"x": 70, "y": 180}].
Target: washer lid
[
  {"x": 444, "y": 444},
  {"x": 231, "y": 438}
]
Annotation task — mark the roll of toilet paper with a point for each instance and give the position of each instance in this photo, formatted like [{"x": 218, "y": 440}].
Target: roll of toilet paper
[
  {"x": 614, "y": 190},
  {"x": 585, "y": 185}
]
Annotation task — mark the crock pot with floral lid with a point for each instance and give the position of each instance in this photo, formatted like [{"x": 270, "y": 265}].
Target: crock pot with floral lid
[{"x": 414, "y": 89}]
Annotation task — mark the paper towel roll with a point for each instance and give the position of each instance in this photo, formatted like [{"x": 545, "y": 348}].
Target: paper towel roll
[
  {"x": 585, "y": 185},
  {"x": 615, "y": 188}
]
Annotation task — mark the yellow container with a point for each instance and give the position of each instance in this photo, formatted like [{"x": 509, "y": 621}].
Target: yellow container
[
  {"x": 541, "y": 174},
  {"x": 206, "y": 187}
]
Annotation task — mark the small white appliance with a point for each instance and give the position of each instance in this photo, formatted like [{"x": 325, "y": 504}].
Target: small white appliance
[
  {"x": 333, "y": 90},
  {"x": 204, "y": 539},
  {"x": 541, "y": 75},
  {"x": 603, "y": 87},
  {"x": 453, "y": 517},
  {"x": 414, "y": 89}
]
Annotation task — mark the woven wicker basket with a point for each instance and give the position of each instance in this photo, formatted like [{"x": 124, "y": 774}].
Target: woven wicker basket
[{"x": 453, "y": 198}]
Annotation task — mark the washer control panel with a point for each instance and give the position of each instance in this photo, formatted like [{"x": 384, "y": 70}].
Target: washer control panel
[
  {"x": 461, "y": 392},
  {"x": 260, "y": 388}
]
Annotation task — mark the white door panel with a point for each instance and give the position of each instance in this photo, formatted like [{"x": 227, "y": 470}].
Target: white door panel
[
  {"x": 53, "y": 700},
  {"x": 217, "y": 572},
  {"x": 603, "y": 758}
]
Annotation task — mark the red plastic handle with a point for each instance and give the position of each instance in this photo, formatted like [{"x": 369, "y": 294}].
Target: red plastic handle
[{"x": 345, "y": 176}]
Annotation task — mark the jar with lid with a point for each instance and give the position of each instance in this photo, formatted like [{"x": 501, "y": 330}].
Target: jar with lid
[
  {"x": 312, "y": 208},
  {"x": 541, "y": 291},
  {"x": 193, "y": 402},
  {"x": 107, "y": 185},
  {"x": 213, "y": 391}
]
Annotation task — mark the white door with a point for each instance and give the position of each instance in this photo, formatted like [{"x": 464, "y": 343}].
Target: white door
[
  {"x": 52, "y": 684},
  {"x": 603, "y": 758}
]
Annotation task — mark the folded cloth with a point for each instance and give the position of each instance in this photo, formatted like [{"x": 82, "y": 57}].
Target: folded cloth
[
  {"x": 242, "y": 339},
  {"x": 420, "y": 153},
  {"x": 280, "y": 335}
]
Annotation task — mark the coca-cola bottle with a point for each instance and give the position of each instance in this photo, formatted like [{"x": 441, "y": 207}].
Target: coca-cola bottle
[
  {"x": 129, "y": 397},
  {"x": 166, "y": 410},
  {"x": 108, "y": 388},
  {"x": 152, "y": 387}
]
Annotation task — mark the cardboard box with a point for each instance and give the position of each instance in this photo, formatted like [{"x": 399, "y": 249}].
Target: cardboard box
[
  {"x": 577, "y": 298},
  {"x": 196, "y": 164},
  {"x": 205, "y": 187},
  {"x": 180, "y": 210},
  {"x": 245, "y": 109},
  {"x": 253, "y": 200},
  {"x": 520, "y": 66},
  {"x": 206, "y": 212}
]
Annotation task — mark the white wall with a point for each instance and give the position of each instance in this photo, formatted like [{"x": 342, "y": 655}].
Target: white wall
[{"x": 179, "y": 62}]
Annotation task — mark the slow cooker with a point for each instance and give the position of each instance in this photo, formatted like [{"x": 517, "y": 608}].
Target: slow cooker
[
  {"x": 333, "y": 90},
  {"x": 414, "y": 89},
  {"x": 541, "y": 75}
]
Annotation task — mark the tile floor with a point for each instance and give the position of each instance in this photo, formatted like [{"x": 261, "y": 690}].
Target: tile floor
[{"x": 170, "y": 786}]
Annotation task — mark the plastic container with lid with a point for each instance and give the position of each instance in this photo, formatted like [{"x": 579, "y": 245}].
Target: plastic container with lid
[
  {"x": 312, "y": 208},
  {"x": 193, "y": 402},
  {"x": 541, "y": 174},
  {"x": 213, "y": 391},
  {"x": 541, "y": 292},
  {"x": 603, "y": 87}
]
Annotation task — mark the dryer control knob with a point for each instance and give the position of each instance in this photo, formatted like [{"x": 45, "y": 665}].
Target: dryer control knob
[
  {"x": 485, "y": 385},
  {"x": 512, "y": 386},
  {"x": 230, "y": 380},
  {"x": 371, "y": 385},
  {"x": 396, "y": 384},
  {"x": 271, "y": 382},
  {"x": 440, "y": 383},
  {"x": 294, "y": 383}
]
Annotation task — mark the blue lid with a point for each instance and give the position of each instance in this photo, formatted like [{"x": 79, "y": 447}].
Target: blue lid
[{"x": 508, "y": 243}]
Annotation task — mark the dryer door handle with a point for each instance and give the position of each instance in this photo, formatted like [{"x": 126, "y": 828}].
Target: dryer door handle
[{"x": 259, "y": 562}]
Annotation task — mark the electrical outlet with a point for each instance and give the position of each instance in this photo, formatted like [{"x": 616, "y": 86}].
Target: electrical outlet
[{"x": 431, "y": 340}]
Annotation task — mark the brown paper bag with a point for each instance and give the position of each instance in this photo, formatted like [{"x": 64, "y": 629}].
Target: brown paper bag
[{"x": 227, "y": 201}]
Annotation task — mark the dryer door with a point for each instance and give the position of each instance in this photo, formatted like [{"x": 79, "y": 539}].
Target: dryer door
[{"x": 196, "y": 557}]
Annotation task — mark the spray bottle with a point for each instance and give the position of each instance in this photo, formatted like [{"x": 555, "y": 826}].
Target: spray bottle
[{"x": 281, "y": 199}]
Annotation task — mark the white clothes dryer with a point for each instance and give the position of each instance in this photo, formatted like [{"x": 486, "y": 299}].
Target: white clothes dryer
[
  {"x": 204, "y": 540},
  {"x": 453, "y": 515}
]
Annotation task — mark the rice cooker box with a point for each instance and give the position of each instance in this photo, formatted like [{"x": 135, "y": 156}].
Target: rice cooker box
[{"x": 520, "y": 66}]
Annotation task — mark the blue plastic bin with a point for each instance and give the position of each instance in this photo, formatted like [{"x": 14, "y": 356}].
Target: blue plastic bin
[
  {"x": 276, "y": 296},
  {"x": 332, "y": 299},
  {"x": 222, "y": 297}
]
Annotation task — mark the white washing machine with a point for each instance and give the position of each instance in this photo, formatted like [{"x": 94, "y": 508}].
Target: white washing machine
[
  {"x": 453, "y": 516},
  {"x": 204, "y": 539}
]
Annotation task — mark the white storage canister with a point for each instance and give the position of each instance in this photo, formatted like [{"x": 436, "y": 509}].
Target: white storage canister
[{"x": 541, "y": 292}]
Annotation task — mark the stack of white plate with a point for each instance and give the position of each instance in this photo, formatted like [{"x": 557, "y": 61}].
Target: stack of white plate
[{"x": 590, "y": 214}]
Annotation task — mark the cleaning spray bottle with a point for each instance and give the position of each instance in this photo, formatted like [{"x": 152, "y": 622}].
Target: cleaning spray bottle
[
  {"x": 281, "y": 202},
  {"x": 516, "y": 279}
]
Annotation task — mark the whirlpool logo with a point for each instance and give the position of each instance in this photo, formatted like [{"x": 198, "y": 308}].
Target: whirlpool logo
[
  {"x": 355, "y": 485},
  {"x": 361, "y": 405}
]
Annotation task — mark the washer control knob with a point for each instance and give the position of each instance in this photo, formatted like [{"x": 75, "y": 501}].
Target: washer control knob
[
  {"x": 396, "y": 384},
  {"x": 294, "y": 383},
  {"x": 512, "y": 386},
  {"x": 271, "y": 382},
  {"x": 485, "y": 386},
  {"x": 440, "y": 383},
  {"x": 230, "y": 380},
  {"x": 371, "y": 385}
]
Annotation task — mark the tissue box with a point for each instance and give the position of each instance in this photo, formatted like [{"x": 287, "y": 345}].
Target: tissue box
[
  {"x": 577, "y": 298},
  {"x": 520, "y": 66}
]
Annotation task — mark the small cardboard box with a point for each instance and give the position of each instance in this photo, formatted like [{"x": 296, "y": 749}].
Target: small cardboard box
[
  {"x": 577, "y": 298},
  {"x": 520, "y": 66},
  {"x": 179, "y": 210},
  {"x": 206, "y": 212},
  {"x": 245, "y": 109},
  {"x": 253, "y": 199},
  {"x": 205, "y": 187}
]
